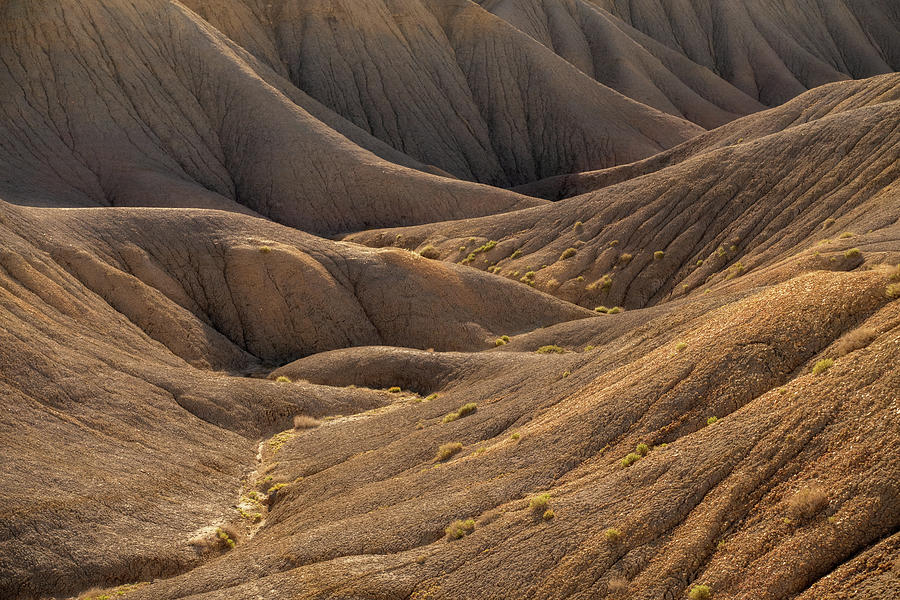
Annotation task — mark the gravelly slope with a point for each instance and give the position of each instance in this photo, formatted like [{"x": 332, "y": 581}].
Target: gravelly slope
[{"x": 722, "y": 209}]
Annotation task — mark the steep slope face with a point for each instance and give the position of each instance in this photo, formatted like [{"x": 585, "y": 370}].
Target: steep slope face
[
  {"x": 145, "y": 104},
  {"x": 465, "y": 91},
  {"x": 627, "y": 60},
  {"x": 124, "y": 334},
  {"x": 708, "y": 219},
  {"x": 823, "y": 101},
  {"x": 773, "y": 49},
  {"x": 366, "y": 501}
]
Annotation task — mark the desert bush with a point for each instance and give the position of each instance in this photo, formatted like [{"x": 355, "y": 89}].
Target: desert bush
[
  {"x": 528, "y": 278},
  {"x": 305, "y": 422},
  {"x": 617, "y": 586},
  {"x": 447, "y": 450},
  {"x": 893, "y": 291},
  {"x": 265, "y": 249},
  {"x": 853, "y": 253},
  {"x": 430, "y": 252},
  {"x": 642, "y": 449},
  {"x": 700, "y": 263},
  {"x": 540, "y": 502},
  {"x": 430, "y": 397},
  {"x": 459, "y": 529},
  {"x": 551, "y": 349},
  {"x": 502, "y": 340},
  {"x": 613, "y": 535},
  {"x": 516, "y": 436},
  {"x": 659, "y": 255},
  {"x": 394, "y": 390},
  {"x": 712, "y": 420},
  {"x": 226, "y": 537},
  {"x": 625, "y": 258},
  {"x": 846, "y": 234},
  {"x": 700, "y": 592},
  {"x": 736, "y": 270},
  {"x": 549, "y": 514},
  {"x": 568, "y": 253},
  {"x": 856, "y": 339},
  {"x": 822, "y": 366},
  {"x": 680, "y": 347},
  {"x": 464, "y": 410},
  {"x": 579, "y": 227},
  {"x": 827, "y": 223},
  {"x": 615, "y": 310},
  {"x": 283, "y": 379},
  {"x": 630, "y": 459},
  {"x": 516, "y": 254},
  {"x": 601, "y": 309},
  {"x": 807, "y": 502}
]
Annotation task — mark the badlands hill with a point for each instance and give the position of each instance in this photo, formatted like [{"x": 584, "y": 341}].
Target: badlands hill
[{"x": 376, "y": 299}]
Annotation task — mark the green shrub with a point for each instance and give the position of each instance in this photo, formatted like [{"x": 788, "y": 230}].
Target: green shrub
[
  {"x": 630, "y": 459},
  {"x": 464, "y": 410},
  {"x": 712, "y": 420},
  {"x": 568, "y": 253},
  {"x": 549, "y": 514},
  {"x": 516, "y": 436},
  {"x": 540, "y": 502},
  {"x": 822, "y": 366},
  {"x": 613, "y": 535},
  {"x": 283, "y": 379},
  {"x": 430, "y": 252},
  {"x": 551, "y": 349},
  {"x": 852, "y": 253},
  {"x": 615, "y": 310},
  {"x": 700, "y": 592},
  {"x": 700, "y": 263},
  {"x": 642, "y": 449},
  {"x": 447, "y": 450},
  {"x": 430, "y": 397},
  {"x": 395, "y": 390},
  {"x": 736, "y": 270},
  {"x": 659, "y": 255},
  {"x": 501, "y": 342},
  {"x": 226, "y": 539},
  {"x": 459, "y": 529},
  {"x": 602, "y": 309}
]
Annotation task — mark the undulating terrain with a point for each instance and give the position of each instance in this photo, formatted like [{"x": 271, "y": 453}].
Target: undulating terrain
[{"x": 449, "y": 299}]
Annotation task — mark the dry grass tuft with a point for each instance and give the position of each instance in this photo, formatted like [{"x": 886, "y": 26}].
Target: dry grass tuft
[
  {"x": 613, "y": 535},
  {"x": 459, "y": 529},
  {"x": 856, "y": 339},
  {"x": 617, "y": 586},
  {"x": 808, "y": 502},
  {"x": 305, "y": 422},
  {"x": 447, "y": 450}
]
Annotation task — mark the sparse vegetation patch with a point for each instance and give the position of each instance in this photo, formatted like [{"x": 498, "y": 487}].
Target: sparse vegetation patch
[
  {"x": 822, "y": 366},
  {"x": 460, "y": 529},
  {"x": 448, "y": 450}
]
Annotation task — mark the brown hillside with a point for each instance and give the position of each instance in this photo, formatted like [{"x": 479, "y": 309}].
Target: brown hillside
[{"x": 446, "y": 299}]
